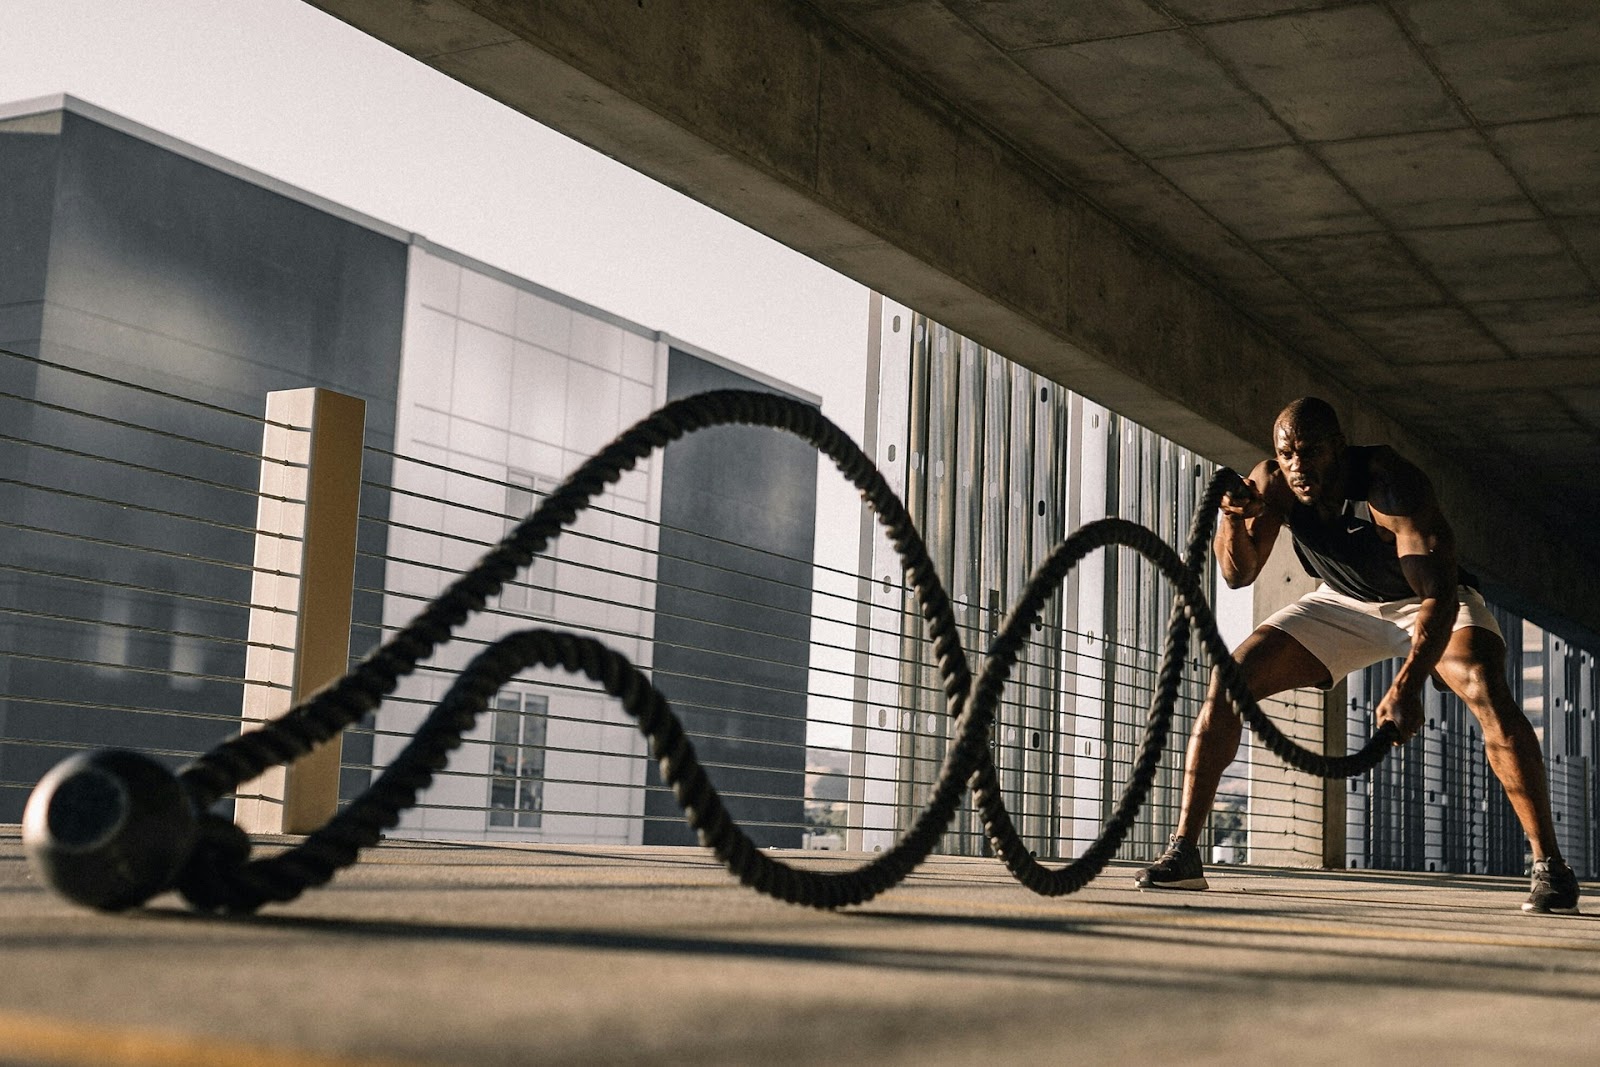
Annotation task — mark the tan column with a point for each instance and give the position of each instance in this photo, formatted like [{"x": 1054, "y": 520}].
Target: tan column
[
  {"x": 1294, "y": 819},
  {"x": 301, "y": 594}
]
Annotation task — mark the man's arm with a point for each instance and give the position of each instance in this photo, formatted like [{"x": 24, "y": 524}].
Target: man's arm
[
  {"x": 1403, "y": 503},
  {"x": 1249, "y": 526}
]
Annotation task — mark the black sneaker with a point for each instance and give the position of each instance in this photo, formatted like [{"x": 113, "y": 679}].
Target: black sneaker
[
  {"x": 1178, "y": 868},
  {"x": 1555, "y": 889}
]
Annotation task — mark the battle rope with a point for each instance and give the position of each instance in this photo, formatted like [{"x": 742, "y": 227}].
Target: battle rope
[{"x": 217, "y": 875}]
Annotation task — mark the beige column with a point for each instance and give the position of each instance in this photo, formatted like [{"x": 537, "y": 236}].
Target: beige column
[
  {"x": 301, "y": 594},
  {"x": 1296, "y": 820}
]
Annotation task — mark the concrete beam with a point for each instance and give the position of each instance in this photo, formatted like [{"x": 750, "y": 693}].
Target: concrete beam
[{"x": 768, "y": 112}]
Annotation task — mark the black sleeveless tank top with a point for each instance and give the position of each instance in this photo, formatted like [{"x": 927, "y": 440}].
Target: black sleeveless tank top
[{"x": 1347, "y": 551}]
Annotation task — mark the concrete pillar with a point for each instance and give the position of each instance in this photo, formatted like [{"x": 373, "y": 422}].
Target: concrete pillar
[
  {"x": 1296, "y": 820},
  {"x": 301, "y": 594},
  {"x": 1335, "y": 791}
]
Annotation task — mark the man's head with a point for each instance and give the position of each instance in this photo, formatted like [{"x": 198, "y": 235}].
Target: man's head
[{"x": 1309, "y": 446}]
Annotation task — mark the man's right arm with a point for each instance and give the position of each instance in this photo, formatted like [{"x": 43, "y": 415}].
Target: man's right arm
[{"x": 1249, "y": 525}]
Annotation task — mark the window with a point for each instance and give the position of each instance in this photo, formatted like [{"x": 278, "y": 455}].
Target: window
[
  {"x": 532, "y": 591},
  {"x": 516, "y": 761}
]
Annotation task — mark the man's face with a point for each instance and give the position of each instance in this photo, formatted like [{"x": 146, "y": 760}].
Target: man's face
[{"x": 1310, "y": 463}]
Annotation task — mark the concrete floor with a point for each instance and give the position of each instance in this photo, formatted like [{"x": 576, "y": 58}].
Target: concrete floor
[{"x": 481, "y": 954}]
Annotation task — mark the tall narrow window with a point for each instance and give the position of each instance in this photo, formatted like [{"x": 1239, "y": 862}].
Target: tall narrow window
[
  {"x": 516, "y": 782},
  {"x": 533, "y": 590}
]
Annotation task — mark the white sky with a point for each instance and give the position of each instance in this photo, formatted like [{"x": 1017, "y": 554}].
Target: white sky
[{"x": 287, "y": 90}]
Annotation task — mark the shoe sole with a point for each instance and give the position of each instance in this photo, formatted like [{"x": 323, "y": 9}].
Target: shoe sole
[
  {"x": 1533, "y": 909},
  {"x": 1186, "y": 883}
]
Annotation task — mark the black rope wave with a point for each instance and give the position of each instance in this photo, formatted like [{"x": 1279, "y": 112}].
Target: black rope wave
[{"x": 219, "y": 876}]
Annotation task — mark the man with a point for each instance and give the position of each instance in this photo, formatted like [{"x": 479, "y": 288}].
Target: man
[{"x": 1365, "y": 522}]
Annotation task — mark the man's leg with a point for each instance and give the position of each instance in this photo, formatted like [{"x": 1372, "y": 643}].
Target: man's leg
[
  {"x": 1272, "y": 662},
  {"x": 1474, "y": 667}
]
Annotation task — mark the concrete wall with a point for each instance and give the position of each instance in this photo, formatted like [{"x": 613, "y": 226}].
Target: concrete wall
[{"x": 1292, "y": 816}]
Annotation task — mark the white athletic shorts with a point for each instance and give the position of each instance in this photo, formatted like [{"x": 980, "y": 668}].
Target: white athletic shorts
[{"x": 1347, "y": 634}]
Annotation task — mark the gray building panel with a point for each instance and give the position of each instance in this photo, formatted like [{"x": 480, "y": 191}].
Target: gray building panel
[
  {"x": 258, "y": 290},
  {"x": 161, "y": 272},
  {"x": 733, "y": 608},
  {"x": 28, "y": 157},
  {"x": 27, "y": 173}
]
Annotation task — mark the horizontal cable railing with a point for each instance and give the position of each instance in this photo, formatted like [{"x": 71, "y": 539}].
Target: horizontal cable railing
[
  {"x": 151, "y": 651},
  {"x": 125, "y": 577},
  {"x": 130, "y": 582},
  {"x": 146, "y": 606}
]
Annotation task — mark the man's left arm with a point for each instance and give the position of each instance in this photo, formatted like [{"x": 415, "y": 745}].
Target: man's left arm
[{"x": 1403, "y": 502}]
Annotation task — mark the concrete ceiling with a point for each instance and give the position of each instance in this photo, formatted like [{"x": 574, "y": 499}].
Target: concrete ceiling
[
  {"x": 1396, "y": 203},
  {"x": 1406, "y": 192}
]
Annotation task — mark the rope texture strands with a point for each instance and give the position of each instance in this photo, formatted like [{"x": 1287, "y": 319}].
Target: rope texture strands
[{"x": 220, "y": 876}]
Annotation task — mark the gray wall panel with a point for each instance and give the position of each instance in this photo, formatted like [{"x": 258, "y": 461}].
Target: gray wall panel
[
  {"x": 733, "y": 612},
  {"x": 167, "y": 274}
]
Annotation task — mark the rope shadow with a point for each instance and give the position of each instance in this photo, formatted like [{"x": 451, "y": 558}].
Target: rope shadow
[{"x": 1414, "y": 974}]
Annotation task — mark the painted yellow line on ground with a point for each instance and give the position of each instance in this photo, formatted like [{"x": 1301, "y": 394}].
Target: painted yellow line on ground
[
  {"x": 40, "y": 1039},
  {"x": 1267, "y": 924}
]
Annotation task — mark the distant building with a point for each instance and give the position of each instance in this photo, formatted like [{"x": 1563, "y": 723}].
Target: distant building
[
  {"x": 997, "y": 466},
  {"x": 157, "y": 266},
  {"x": 505, "y": 387}
]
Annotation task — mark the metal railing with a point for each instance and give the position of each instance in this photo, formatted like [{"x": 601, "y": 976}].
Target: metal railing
[
  {"x": 1436, "y": 804},
  {"x": 129, "y": 520},
  {"x": 129, "y": 573}
]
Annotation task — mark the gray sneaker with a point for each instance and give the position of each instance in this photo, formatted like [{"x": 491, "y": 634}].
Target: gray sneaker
[
  {"x": 1555, "y": 889},
  {"x": 1178, "y": 868}
]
